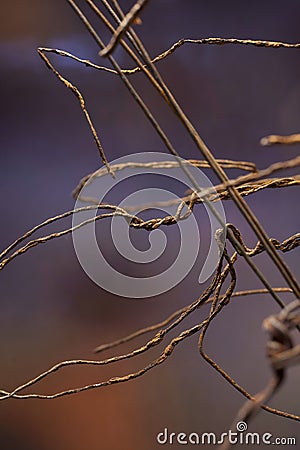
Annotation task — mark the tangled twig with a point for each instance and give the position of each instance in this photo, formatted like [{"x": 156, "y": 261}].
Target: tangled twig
[
  {"x": 218, "y": 301},
  {"x": 123, "y": 27},
  {"x": 221, "y": 193},
  {"x": 276, "y": 139},
  {"x": 173, "y": 48},
  {"x": 281, "y": 351},
  {"x": 158, "y": 83}
]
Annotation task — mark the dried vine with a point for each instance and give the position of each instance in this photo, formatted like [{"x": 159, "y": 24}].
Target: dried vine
[{"x": 281, "y": 351}]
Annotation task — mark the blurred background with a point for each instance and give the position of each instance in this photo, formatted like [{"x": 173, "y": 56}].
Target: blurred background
[{"x": 50, "y": 309}]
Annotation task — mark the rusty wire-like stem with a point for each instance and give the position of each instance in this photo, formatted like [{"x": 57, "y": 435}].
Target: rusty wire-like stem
[
  {"x": 157, "y": 82},
  {"x": 241, "y": 204},
  {"x": 281, "y": 351}
]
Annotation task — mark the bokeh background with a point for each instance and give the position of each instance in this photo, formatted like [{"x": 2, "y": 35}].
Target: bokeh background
[{"x": 50, "y": 310}]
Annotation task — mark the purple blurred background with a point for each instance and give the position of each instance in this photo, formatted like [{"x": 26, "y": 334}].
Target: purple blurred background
[{"x": 50, "y": 310}]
